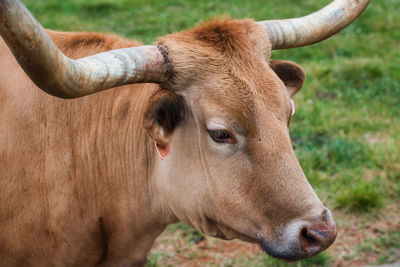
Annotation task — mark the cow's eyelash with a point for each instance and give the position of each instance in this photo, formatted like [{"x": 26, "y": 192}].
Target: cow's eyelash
[{"x": 222, "y": 136}]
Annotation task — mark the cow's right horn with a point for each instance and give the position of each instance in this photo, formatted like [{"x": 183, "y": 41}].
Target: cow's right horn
[
  {"x": 318, "y": 26},
  {"x": 63, "y": 77}
]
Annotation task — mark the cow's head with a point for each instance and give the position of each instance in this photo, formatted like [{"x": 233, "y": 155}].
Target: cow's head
[
  {"x": 221, "y": 128},
  {"x": 219, "y": 121}
]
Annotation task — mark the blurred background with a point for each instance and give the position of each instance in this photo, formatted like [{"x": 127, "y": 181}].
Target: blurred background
[{"x": 346, "y": 130}]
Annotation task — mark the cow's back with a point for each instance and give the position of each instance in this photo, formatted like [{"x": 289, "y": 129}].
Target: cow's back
[{"x": 62, "y": 161}]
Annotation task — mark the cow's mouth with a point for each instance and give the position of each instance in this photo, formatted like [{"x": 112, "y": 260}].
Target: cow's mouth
[
  {"x": 287, "y": 254},
  {"x": 302, "y": 239}
]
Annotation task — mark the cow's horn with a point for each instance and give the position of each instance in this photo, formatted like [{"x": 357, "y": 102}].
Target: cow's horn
[
  {"x": 315, "y": 27},
  {"x": 61, "y": 76}
]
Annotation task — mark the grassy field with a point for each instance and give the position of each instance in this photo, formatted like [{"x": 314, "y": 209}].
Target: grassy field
[{"x": 346, "y": 130}]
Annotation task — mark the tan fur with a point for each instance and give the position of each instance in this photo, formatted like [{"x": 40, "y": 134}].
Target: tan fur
[{"x": 80, "y": 180}]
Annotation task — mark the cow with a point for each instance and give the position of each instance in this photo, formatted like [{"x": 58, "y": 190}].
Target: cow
[{"x": 195, "y": 130}]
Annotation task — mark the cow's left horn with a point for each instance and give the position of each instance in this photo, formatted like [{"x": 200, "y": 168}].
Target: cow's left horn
[
  {"x": 61, "y": 76},
  {"x": 318, "y": 26}
]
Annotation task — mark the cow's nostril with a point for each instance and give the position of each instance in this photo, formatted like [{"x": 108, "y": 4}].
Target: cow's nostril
[
  {"x": 318, "y": 235},
  {"x": 309, "y": 240}
]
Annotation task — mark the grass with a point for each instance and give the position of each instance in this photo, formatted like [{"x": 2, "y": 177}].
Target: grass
[
  {"x": 346, "y": 131},
  {"x": 360, "y": 195}
]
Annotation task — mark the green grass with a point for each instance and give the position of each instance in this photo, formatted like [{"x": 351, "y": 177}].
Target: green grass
[
  {"x": 346, "y": 131},
  {"x": 360, "y": 195}
]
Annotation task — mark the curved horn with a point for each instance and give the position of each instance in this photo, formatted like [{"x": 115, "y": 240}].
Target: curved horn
[
  {"x": 315, "y": 27},
  {"x": 61, "y": 76}
]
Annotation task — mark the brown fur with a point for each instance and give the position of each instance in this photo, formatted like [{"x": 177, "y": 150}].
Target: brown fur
[
  {"x": 81, "y": 44},
  {"x": 80, "y": 180}
]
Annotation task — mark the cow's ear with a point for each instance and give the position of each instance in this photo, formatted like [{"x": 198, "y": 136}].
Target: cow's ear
[
  {"x": 164, "y": 112},
  {"x": 290, "y": 73}
]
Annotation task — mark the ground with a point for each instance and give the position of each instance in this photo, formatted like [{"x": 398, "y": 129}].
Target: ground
[{"x": 346, "y": 130}]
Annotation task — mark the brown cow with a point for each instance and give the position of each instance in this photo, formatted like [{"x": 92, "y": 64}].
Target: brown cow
[{"x": 82, "y": 182}]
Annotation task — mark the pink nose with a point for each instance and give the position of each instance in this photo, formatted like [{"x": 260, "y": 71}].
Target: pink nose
[{"x": 319, "y": 234}]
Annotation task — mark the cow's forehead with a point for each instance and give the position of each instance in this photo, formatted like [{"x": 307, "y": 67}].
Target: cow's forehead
[
  {"x": 235, "y": 47},
  {"x": 226, "y": 63}
]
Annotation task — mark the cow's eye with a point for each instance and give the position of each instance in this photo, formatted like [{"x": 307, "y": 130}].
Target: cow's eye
[{"x": 221, "y": 136}]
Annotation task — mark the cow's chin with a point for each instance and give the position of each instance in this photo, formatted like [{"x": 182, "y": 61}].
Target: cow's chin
[
  {"x": 225, "y": 232},
  {"x": 229, "y": 234}
]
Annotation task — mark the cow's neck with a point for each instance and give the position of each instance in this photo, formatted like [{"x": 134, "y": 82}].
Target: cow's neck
[
  {"x": 83, "y": 167},
  {"x": 114, "y": 165}
]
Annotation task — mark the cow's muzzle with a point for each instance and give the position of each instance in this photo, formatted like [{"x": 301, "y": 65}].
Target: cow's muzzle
[{"x": 302, "y": 239}]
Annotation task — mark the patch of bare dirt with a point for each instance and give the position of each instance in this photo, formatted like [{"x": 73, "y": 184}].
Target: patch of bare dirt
[
  {"x": 210, "y": 250},
  {"x": 354, "y": 231}
]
